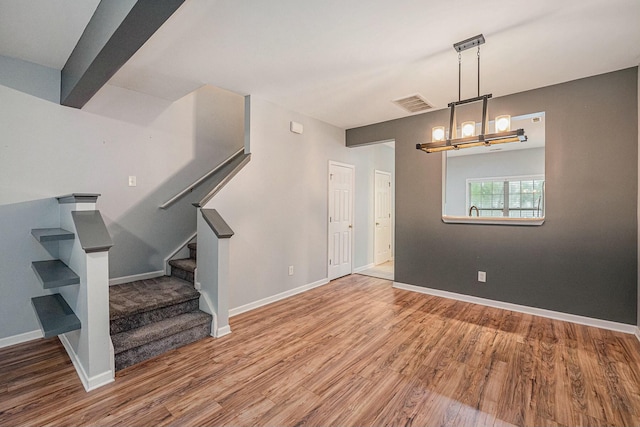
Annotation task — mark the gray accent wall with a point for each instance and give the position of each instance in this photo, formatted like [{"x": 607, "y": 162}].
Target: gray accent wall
[{"x": 583, "y": 259}]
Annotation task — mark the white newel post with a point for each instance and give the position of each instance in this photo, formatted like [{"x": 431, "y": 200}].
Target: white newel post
[
  {"x": 90, "y": 347},
  {"x": 213, "y": 269}
]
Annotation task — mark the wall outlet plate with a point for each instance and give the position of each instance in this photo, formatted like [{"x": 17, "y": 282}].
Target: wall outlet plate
[
  {"x": 482, "y": 276},
  {"x": 291, "y": 270}
]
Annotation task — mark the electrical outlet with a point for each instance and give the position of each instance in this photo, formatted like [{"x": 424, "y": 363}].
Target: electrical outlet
[
  {"x": 132, "y": 181},
  {"x": 482, "y": 276},
  {"x": 291, "y": 270}
]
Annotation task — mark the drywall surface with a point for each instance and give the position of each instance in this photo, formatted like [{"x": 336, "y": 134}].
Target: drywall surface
[
  {"x": 48, "y": 150},
  {"x": 583, "y": 259},
  {"x": 277, "y": 205},
  {"x": 34, "y": 79}
]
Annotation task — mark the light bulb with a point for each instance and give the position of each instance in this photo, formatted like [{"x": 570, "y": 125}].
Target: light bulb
[
  {"x": 503, "y": 123},
  {"x": 468, "y": 129},
  {"x": 437, "y": 134}
]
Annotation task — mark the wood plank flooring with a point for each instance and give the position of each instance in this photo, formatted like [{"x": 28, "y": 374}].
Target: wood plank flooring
[{"x": 355, "y": 352}]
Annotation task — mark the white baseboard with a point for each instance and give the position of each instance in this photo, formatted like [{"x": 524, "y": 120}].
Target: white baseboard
[
  {"x": 366, "y": 267},
  {"x": 573, "y": 318},
  {"x": 277, "y": 297},
  {"x": 20, "y": 338},
  {"x": 638, "y": 333},
  {"x": 143, "y": 276},
  {"x": 225, "y": 330},
  {"x": 89, "y": 383}
]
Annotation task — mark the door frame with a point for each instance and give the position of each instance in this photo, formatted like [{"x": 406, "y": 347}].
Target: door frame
[
  {"x": 353, "y": 213},
  {"x": 391, "y": 211}
]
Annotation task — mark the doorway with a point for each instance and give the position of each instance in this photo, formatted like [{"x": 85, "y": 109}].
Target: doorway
[
  {"x": 340, "y": 219},
  {"x": 382, "y": 216},
  {"x": 375, "y": 211}
]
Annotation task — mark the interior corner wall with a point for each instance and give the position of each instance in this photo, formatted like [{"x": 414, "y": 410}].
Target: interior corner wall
[
  {"x": 48, "y": 150},
  {"x": 277, "y": 204},
  {"x": 584, "y": 259},
  {"x": 638, "y": 292},
  {"x": 27, "y": 77}
]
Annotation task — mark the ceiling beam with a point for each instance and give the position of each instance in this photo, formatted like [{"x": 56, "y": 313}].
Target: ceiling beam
[{"x": 115, "y": 32}]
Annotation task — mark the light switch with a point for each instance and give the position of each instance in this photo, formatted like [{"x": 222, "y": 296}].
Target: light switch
[{"x": 132, "y": 181}]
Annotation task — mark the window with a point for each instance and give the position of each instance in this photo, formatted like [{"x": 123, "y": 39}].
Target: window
[{"x": 507, "y": 197}]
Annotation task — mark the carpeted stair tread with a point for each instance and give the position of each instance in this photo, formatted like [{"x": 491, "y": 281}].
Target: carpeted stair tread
[
  {"x": 183, "y": 269},
  {"x": 140, "y": 319},
  {"x": 166, "y": 343},
  {"x": 186, "y": 264},
  {"x": 158, "y": 330},
  {"x": 193, "y": 250},
  {"x": 146, "y": 295}
]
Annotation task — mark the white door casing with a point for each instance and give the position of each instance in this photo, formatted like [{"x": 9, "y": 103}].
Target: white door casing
[
  {"x": 340, "y": 219},
  {"x": 382, "y": 216}
]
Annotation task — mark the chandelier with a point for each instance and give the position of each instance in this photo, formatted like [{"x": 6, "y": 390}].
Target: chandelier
[{"x": 468, "y": 138}]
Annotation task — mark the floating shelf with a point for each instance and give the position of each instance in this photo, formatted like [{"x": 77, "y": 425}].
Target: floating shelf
[
  {"x": 54, "y": 315},
  {"x": 51, "y": 234},
  {"x": 54, "y": 273}
]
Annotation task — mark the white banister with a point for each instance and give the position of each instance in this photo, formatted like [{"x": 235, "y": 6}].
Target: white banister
[
  {"x": 90, "y": 347},
  {"x": 213, "y": 269}
]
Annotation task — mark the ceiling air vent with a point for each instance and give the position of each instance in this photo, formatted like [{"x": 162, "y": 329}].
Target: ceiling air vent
[{"x": 413, "y": 104}]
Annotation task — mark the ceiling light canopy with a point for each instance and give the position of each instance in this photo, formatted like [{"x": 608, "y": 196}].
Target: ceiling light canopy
[{"x": 503, "y": 133}]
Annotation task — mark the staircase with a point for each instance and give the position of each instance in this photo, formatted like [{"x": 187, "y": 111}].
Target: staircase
[
  {"x": 151, "y": 317},
  {"x": 185, "y": 268}
]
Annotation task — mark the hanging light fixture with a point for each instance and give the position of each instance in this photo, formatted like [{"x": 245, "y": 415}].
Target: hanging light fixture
[{"x": 503, "y": 133}]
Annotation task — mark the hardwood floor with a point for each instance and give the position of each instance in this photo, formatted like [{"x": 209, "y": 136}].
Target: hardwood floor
[{"x": 353, "y": 352}]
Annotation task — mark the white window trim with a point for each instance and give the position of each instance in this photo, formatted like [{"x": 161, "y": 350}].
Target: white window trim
[{"x": 496, "y": 178}]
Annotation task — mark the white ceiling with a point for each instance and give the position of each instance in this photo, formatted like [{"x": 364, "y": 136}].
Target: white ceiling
[
  {"x": 43, "y": 31},
  {"x": 344, "y": 61}
]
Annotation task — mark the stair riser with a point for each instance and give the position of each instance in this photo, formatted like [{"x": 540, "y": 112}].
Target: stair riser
[
  {"x": 140, "y": 319},
  {"x": 155, "y": 348},
  {"x": 182, "y": 274}
]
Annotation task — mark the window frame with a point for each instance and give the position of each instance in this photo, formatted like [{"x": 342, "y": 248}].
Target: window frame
[
  {"x": 537, "y": 177},
  {"x": 452, "y": 219}
]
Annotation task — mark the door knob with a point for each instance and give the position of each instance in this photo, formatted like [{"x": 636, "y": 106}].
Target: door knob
[
  {"x": 350, "y": 226},
  {"x": 377, "y": 223}
]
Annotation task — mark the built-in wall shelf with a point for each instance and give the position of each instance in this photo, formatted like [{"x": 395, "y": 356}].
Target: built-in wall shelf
[
  {"x": 54, "y": 315},
  {"x": 52, "y": 234},
  {"x": 54, "y": 273}
]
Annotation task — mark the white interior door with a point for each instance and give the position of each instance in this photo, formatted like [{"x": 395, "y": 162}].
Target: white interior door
[
  {"x": 341, "y": 187},
  {"x": 382, "y": 215}
]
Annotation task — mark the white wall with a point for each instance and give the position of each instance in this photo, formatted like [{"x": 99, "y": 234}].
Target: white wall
[
  {"x": 48, "y": 150},
  {"x": 277, "y": 205}
]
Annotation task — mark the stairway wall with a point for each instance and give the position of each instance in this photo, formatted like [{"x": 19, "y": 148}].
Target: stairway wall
[
  {"x": 18, "y": 249},
  {"x": 47, "y": 150},
  {"x": 277, "y": 205}
]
